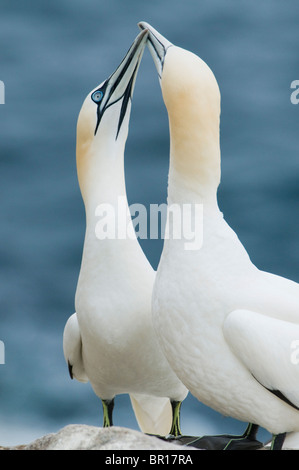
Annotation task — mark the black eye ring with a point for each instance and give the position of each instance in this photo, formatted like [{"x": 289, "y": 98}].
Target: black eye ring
[{"x": 97, "y": 96}]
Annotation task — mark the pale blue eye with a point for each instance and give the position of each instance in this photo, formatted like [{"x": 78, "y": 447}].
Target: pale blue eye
[{"x": 97, "y": 96}]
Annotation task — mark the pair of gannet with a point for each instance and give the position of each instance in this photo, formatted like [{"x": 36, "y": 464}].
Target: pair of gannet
[
  {"x": 226, "y": 328},
  {"x": 110, "y": 340}
]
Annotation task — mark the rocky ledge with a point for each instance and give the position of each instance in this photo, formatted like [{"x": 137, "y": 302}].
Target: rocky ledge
[{"x": 83, "y": 437}]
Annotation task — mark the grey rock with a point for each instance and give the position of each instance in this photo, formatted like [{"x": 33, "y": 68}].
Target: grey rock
[{"x": 83, "y": 437}]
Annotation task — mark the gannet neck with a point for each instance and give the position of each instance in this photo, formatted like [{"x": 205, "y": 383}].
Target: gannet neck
[
  {"x": 192, "y": 98},
  {"x": 102, "y": 131},
  {"x": 183, "y": 189},
  {"x": 100, "y": 161},
  {"x": 110, "y": 339},
  {"x": 103, "y": 190}
]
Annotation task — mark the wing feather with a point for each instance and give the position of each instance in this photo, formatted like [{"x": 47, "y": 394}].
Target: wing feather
[{"x": 269, "y": 349}]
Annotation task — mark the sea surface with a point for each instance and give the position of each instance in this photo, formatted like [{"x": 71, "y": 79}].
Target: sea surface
[{"x": 51, "y": 55}]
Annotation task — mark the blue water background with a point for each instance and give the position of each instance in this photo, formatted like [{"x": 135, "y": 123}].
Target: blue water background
[{"x": 51, "y": 55}]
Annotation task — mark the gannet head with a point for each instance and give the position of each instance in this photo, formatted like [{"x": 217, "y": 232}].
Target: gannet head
[
  {"x": 192, "y": 98},
  {"x": 102, "y": 126}
]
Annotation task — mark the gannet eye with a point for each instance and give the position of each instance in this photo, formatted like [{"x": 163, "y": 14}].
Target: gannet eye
[{"x": 97, "y": 96}]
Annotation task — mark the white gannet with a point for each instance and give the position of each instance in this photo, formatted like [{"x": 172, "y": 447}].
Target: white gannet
[
  {"x": 227, "y": 328},
  {"x": 110, "y": 340}
]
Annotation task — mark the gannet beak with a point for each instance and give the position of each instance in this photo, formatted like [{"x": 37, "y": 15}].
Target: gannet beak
[
  {"x": 120, "y": 85},
  {"x": 157, "y": 45},
  {"x": 126, "y": 72}
]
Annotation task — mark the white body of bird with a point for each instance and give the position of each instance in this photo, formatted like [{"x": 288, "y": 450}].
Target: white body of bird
[
  {"x": 110, "y": 340},
  {"x": 226, "y": 327}
]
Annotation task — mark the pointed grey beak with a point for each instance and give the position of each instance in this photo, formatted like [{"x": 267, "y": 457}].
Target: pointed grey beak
[
  {"x": 157, "y": 45},
  {"x": 120, "y": 85},
  {"x": 127, "y": 70}
]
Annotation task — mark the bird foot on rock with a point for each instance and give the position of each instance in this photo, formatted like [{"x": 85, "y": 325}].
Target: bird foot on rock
[{"x": 220, "y": 442}]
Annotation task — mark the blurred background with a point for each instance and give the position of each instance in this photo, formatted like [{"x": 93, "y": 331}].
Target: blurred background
[{"x": 51, "y": 55}]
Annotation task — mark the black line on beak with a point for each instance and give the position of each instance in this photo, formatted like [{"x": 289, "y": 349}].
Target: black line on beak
[{"x": 126, "y": 97}]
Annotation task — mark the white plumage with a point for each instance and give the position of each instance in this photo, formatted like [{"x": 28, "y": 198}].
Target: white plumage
[
  {"x": 226, "y": 327},
  {"x": 110, "y": 339}
]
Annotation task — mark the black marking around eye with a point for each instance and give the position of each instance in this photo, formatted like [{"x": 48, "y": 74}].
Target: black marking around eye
[{"x": 102, "y": 90}]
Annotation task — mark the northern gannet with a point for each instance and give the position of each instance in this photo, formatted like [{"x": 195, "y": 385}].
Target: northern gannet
[
  {"x": 110, "y": 340},
  {"x": 226, "y": 327}
]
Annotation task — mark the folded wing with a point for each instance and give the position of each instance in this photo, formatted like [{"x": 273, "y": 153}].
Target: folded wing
[
  {"x": 269, "y": 349},
  {"x": 72, "y": 348}
]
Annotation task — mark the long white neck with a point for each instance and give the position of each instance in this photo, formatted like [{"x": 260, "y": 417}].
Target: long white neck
[
  {"x": 100, "y": 160},
  {"x": 194, "y": 173},
  {"x": 192, "y": 98},
  {"x": 194, "y": 178},
  {"x": 108, "y": 221},
  {"x": 110, "y": 247},
  {"x": 105, "y": 185},
  {"x": 112, "y": 256}
]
